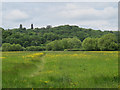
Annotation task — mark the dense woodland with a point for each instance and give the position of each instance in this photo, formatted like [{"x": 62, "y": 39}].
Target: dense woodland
[{"x": 58, "y": 38}]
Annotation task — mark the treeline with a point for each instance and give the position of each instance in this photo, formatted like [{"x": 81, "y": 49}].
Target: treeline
[
  {"x": 105, "y": 43},
  {"x": 18, "y": 47},
  {"x": 59, "y": 38}
]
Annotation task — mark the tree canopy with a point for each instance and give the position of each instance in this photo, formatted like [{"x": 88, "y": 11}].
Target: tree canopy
[{"x": 61, "y": 37}]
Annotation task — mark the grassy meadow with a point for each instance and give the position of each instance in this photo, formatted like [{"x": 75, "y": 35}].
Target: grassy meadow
[{"x": 61, "y": 69}]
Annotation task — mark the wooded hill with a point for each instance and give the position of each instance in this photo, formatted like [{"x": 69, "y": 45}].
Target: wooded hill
[{"x": 43, "y": 36}]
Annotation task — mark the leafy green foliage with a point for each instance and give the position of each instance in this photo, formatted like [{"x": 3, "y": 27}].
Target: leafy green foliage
[
  {"x": 52, "y": 36},
  {"x": 6, "y": 46},
  {"x": 54, "y": 46},
  {"x": 66, "y": 43},
  {"x": 38, "y": 36},
  {"x": 108, "y": 42},
  {"x": 11, "y": 47},
  {"x": 90, "y": 44}
]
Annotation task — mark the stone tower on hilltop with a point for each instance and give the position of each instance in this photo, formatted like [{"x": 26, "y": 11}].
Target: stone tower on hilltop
[
  {"x": 20, "y": 26},
  {"x": 31, "y": 26}
]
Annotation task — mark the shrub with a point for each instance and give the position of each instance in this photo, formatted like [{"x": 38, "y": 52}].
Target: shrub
[
  {"x": 66, "y": 43},
  {"x": 6, "y": 47},
  {"x": 11, "y": 47},
  {"x": 90, "y": 44},
  {"x": 108, "y": 42}
]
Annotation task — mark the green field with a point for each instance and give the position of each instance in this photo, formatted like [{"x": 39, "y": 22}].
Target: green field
[{"x": 77, "y": 69}]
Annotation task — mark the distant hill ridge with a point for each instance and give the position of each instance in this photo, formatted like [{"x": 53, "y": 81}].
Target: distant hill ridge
[{"x": 41, "y": 36}]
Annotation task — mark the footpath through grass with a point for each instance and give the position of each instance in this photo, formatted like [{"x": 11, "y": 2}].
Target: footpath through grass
[{"x": 78, "y": 69}]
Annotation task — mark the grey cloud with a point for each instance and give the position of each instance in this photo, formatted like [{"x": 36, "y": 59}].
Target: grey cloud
[{"x": 95, "y": 15}]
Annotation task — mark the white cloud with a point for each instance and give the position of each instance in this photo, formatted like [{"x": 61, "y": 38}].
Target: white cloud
[
  {"x": 72, "y": 11},
  {"x": 16, "y": 15},
  {"x": 99, "y": 24},
  {"x": 101, "y": 16}
]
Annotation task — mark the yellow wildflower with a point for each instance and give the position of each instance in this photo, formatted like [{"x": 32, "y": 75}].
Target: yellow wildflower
[
  {"x": 46, "y": 81},
  {"x": 2, "y": 57},
  {"x": 33, "y": 55}
]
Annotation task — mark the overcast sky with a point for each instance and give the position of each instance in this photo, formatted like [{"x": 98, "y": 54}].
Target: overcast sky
[{"x": 99, "y": 16}]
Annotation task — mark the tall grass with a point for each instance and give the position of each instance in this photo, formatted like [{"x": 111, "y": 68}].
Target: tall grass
[{"x": 77, "y": 69}]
